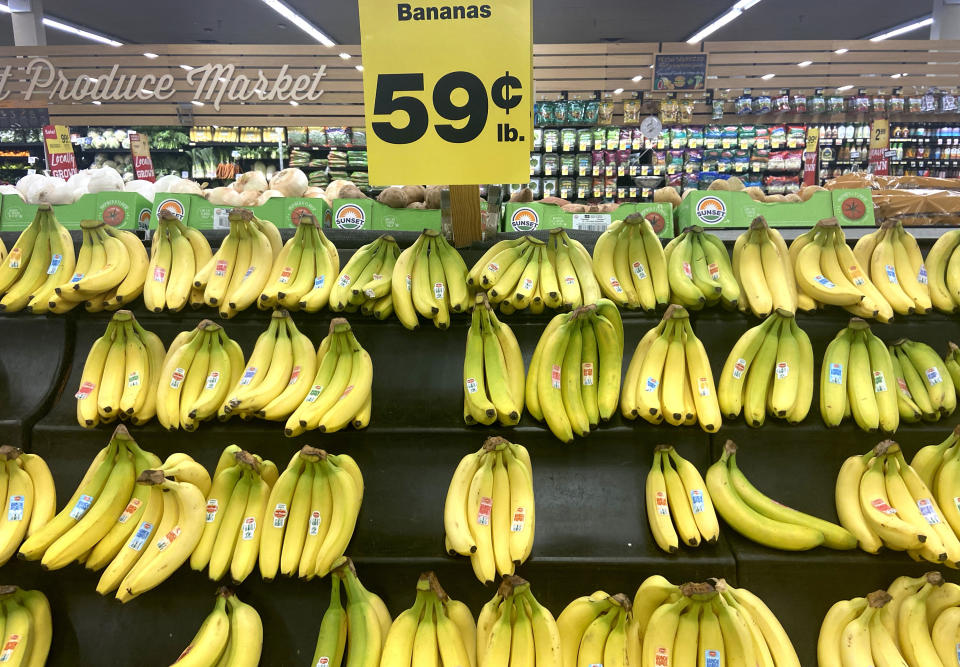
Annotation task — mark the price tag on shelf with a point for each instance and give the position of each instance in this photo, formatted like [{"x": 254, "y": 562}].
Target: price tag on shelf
[{"x": 447, "y": 91}]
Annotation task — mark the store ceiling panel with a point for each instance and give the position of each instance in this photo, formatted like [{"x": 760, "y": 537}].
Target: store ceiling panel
[{"x": 555, "y": 21}]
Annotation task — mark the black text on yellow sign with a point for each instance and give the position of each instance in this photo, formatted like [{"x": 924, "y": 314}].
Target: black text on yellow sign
[{"x": 447, "y": 91}]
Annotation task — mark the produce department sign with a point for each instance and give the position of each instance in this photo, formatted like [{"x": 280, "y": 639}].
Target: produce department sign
[{"x": 447, "y": 91}]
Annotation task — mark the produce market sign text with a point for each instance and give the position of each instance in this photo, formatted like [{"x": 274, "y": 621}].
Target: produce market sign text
[
  {"x": 211, "y": 83},
  {"x": 447, "y": 91}
]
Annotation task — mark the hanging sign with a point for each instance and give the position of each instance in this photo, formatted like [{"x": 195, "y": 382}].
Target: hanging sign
[
  {"x": 447, "y": 92},
  {"x": 810, "y": 156},
  {"x": 142, "y": 162},
  {"x": 879, "y": 143},
  {"x": 58, "y": 150},
  {"x": 680, "y": 71}
]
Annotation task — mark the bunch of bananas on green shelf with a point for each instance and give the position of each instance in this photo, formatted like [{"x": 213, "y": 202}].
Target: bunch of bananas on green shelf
[
  {"x": 177, "y": 252},
  {"x": 699, "y": 271},
  {"x": 938, "y": 466},
  {"x": 761, "y": 264},
  {"x": 489, "y": 513},
  {"x": 679, "y": 507},
  {"x": 943, "y": 272},
  {"x": 429, "y": 280},
  {"x": 630, "y": 264},
  {"x": 884, "y": 501},
  {"x": 232, "y": 634},
  {"x": 235, "y": 276},
  {"x": 515, "y": 630},
  {"x": 120, "y": 374},
  {"x": 195, "y": 375},
  {"x": 896, "y": 267},
  {"x": 41, "y": 260},
  {"x": 110, "y": 271},
  {"x": 599, "y": 629},
  {"x": 859, "y": 377},
  {"x": 310, "y": 514},
  {"x": 436, "y": 630},
  {"x": 915, "y": 622},
  {"x": 765, "y": 521},
  {"x": 573, "y": 380},
  {"x": 341, "y": 392},
  {"x": 710, "y": 623},
  {"x": 304, "y": 271},
  {"x": 27, "y": 627},
  {"x": 925, "y": 387},
  {"x": 31, "y": 498},
  {"x": 669, "y": 377},
  {"x": 365, "y": 282},
  {"x": 276, "y": 377},
  {"x": 236, "y": 509},
  {"x": 769, "y": 369},
  {"x": 828, "y": 272},
  {"x": 493, "y": 377}
]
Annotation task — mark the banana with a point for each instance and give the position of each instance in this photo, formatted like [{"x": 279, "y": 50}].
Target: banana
[
  {"x": 775, "y": 637},
  {"x": 549, "y": 380},
  {"x": 759, "y": 381},
  {"x": 832, "y": 631},
  {"x": 911, "y": 272},
  {"x": 812, "y": 281},
  {"x": 658, "y": 508},
  {"x": 686, "y": 643},
  {"x": 883, "y": 271},
  {"x": 945, "y": 635},
  {"x": 834, "y": 377},
  {"x": 937, "y": 261},
  {"x": 877, "y": 509},
  {"x": 572, "y": 624},
  {"x": 914, "y": 637},
  {"x": 225, "y": 538},
  {"x": 751, "y": 267},
  {"x": 661, "y": 632},
  {"x": 855, "y": 640},
  {"x": 860, "y": 383},
  {"x": 246, "y": 635},
  {"x": 522, "y": 507},
  {"x": 347, "y": 497},
  {"x": 211, "y": 639}
]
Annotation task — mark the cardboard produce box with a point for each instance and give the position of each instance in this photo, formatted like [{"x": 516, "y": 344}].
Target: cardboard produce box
[
  {"x": 530, "y": 216},
  {"x": 735, "y": 210},
  {"x": 371, "y": 214},
  {"x": 16, "y": 215},
  {"x": 201, "y": 214}
]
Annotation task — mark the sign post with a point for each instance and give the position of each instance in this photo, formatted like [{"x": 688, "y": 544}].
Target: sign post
[
  {"x": 58, "y": 150},
  {"x": 142, "y": 162}
]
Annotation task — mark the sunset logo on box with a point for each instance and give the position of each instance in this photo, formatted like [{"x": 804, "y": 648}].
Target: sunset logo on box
[
  {"x": 350, "y": 216},
  {"x": 524, "y": 220},
  {"x": 171, "y": 206},
  {"x": 711, "y": 210}
]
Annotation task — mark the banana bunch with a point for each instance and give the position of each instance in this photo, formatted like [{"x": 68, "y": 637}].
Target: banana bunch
[
  {"x": 885, "y": 502},
  {"x": 110, "y": 271},
  {"x": 436, "y": 630},
  {"x": 176, "y": 253},
  {"x": 770, "y": 369},
  {"x": 599, "y": 629},
  {"x": 236, "y": 275},
  {"x": 896, "y": 267},
  {"x": 493, "y": 380},
  {"x": 27, "y": 627},
  {"x": 42, "y": 260},
  {"x": 938, "y": 466},
  {"x": 857, "y": 377},
  {"x": 318, "y": 498},
  {"x": 429, "y": 280},
  {"x": 943, "y": 272},
  {"x": 699, "y": 271},
  {"x": 925, "y": 386},
  {"x": 828, "y": 272},
  {"x": 915, "y": 622},
  {"x": 366, "y": 281},
  {"x": 515, "y": 630},
  {"x": 489, "y": 512},
  {"x": 574, "y": 376},
  {"x": 355, "y": 635},
  {"x": 630, "y": 265},
  {"x": 761, "y": 264},
  {"x": 195, "y": 375},
  {"x": 236, "y": 513},
  {"x": 765, "y": 521},
  {"x": 675, "y": 489},
  {"x": 710, "y": 623},
  {"x": 669, "y": 377},
  {"x": 304, "y": 270},
  {"x": 31, "y": 498},
  {"x": 232, "y": 634},
  {"x": 120, "y": 374},
  {"x": 277, "y": 374},
  {"x": 341, "y": 391}
]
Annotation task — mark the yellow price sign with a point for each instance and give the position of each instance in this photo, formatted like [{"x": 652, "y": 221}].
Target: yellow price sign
[
  {"x": 58, "y": 140},
  {"x": 447, "y": 92},
  {"x": 813, "y": 140},
  {"x": 880, "y": 134}
]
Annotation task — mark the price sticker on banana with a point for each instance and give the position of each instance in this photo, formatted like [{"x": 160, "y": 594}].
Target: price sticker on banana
[{"x": 447, "y": 91}]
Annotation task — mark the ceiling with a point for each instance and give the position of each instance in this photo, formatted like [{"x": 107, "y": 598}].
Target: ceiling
[{"x": 556, "y": 21}]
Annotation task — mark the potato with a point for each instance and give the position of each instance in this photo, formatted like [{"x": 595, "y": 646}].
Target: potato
[
  {"x": 414, "y": 192},
  {"x": 687, "y": 193},
  {"x": 351, "y": 191},
  {"x": 756, "y": 193},
  {"x": 668, "y": 195},
  {"x": 432, "y": 198},
  {"x": 556, "y": 201},
  {"x": 734, "y": 183},
  {"x": 415, "y": 204},
  {"x": 807, "y": 192},
  {"x": 718, "y": 184},
  {"x": 522, "y": 195},
  {"x": 394, "y": 197},
  {"x": 333, "y": 189},
  {"x": 793, "y": 197},
  {"x": 609, "y": 208},
  {"x": 574, "y": 208},
  {"x": 772, "y": 199}
]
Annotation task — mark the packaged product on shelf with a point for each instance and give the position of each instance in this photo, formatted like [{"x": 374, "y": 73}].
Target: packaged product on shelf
[
  {"x": 599, "y": 138},
  {"x": 659, "y": 161},
  {"x": 706, "y": 178},
  {"x": 584, "y": 165},
  {"x": 568, "y": 139},
  {"x": 778, "y": 136},
  {"x": 669, "y": 111},
  {"x": 537, "y": 138},
  {"x": 631, "y": 112},
  {"x": 536, "y": 164},
  {"x": 691, "y": 181},
  {"x": 584, "y": 188},
  {"x": 297, "y": 136},
  {"x": 535, "y": 186},
  {"x": 610, "y": 187},
  {"x": 717, "y": 110},
  {"x": 746, "y": 136},
  {"x": 741, "y": 160},
  {"x": 879, "y": 105},
  {"x": 597, "y": 163},
  {"x": 568, "y": 187},
  {"x": 633, "y": 164},
  {"x": 551, "y": 164},
  {"x": 604, "y": 113},
  {"x": 597, "y": 186},
  {"x": 575, "y": 112},
  {"x": 584, "y": 139},
  {"x": 693, "y": 161},
  {"x": 796, "y": 136},
  {"x": 675, "y": 180},
  {"x": 674, "y": 161},
  {"x": 710, "y": 159},
  {"x": 610, "y": 162},
  {"x": 568, "y": 164},
  {"x": 800, "y": 103},
  {"x": 818, "y": 103},
  {"x": 725, "y": 161},
  {"x": 612, "y": 138},
  {"x": 762, "y": 104},
  {"x": 591, "y": 113},
  {"x": 744, "y": 104},
  {"x": 793, "y": 160},
  {"x": 759, "y": 160},
  {"x": 729, "y": 135},
  {"x": 624, "y": 143},
  {"x": 685, "y": 110},
  {"x": 560, "y": 109},
  {"x": 695, "y": 137},
  {"x": 549, "y": 187},
  {"x": 541, "y": 113},
  {"x": 678, "y": 137},
  {"x": 783, "y": 102},
  {"x": 551, "y": 139}
]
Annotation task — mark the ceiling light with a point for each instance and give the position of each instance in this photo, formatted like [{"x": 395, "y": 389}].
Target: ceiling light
[
  {"x": 294, "y": 104},
  {"x": 894, "y": 76},
  {"x": 637, "y": 78},
  {"x": 618, "y": 91},
  {"x": 842, "y": 88},
  {"x": 196, "y": 104},
  {"x": 186, "y": 67},
  {"x": 736, "y": 10},
  {"x": 79, "y": 32},
  {"x": 916, "y": 24},
  {"x": 151, "y": 55},
  {"x": 767, "y": 77},
  {"x": 299, "y": 21},
  {"x": 4, "y": 9},
  {"x": 345, "y": 56},
  {"x": 805, "y": 63},
  {"x": 840, "y": 52},
  {"x": 359, "y": 68}
]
